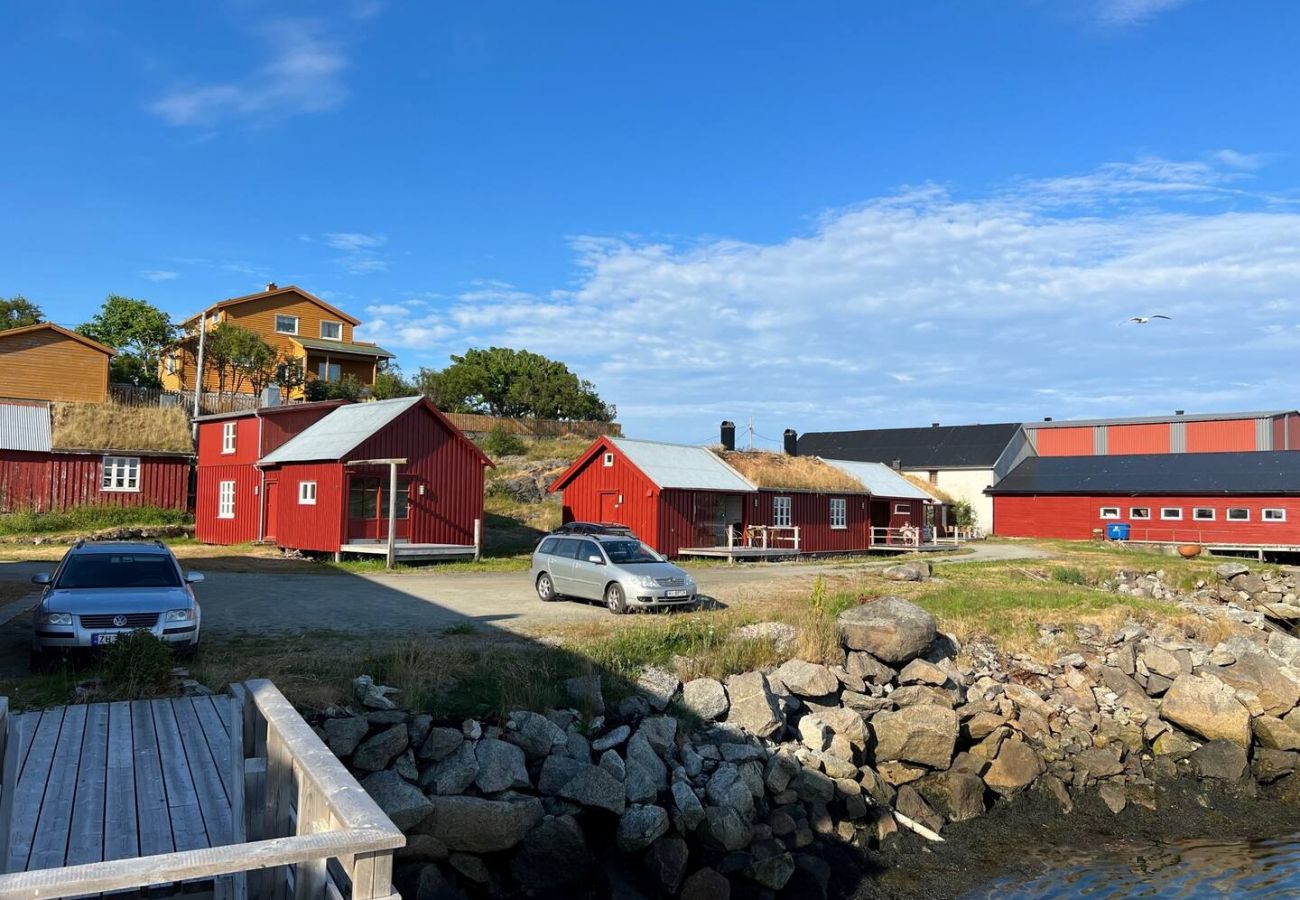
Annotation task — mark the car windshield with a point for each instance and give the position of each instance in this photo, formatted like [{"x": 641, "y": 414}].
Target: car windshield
[
  {"x": 624, "y": 553},
  {"x": 118, "y": 570}
]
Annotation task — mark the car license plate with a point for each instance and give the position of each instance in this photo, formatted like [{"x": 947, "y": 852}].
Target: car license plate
[
  {"x": 98, "y": 640},
  {"x": 672, "y": 595}
]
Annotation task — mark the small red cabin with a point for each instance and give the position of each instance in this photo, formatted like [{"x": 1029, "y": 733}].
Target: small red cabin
[{"x": 298, "y": 476}]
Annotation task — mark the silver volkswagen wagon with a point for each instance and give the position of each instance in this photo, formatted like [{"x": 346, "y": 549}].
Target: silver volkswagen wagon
[{"x": 621, "y": 572}]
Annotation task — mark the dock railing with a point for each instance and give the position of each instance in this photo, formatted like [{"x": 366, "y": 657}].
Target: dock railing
[{"x": 300, "y": 809}]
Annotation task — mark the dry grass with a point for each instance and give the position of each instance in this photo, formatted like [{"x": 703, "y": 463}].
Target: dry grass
[
  {"x": 107, "y": 426},
  {"x": 925, "y": 485},
  {"x": 804, "y": 473}
]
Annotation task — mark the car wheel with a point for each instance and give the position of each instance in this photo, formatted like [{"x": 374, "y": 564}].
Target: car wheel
[
  {"x": 546, "y": 588},
  {"x": 615, "y": 600}
]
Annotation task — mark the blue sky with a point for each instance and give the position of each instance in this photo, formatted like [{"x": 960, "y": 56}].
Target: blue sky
[{"x": 819, "y": 215}]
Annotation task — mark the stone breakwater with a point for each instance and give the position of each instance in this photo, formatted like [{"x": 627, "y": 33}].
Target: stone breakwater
[{"x": 714, "y": 789}]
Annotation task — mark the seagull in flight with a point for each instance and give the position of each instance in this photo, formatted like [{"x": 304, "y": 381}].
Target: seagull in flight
[{"x": 1142, "y": 320}]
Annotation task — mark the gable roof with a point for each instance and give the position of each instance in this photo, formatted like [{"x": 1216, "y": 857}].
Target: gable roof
[
  {"x": 1161, "y": 420},
  {"x": 937, "y": 447},
  {"x": 272, "y": 292},
  {"x": 1155, "y": 474},
  {"x": 682, "y": 466},
  {"x": 59, "y": 329},
  {"x": 25, "y": 426},
  {"x": 769, "y": 470},
  {"x": 879, "y": 479}
]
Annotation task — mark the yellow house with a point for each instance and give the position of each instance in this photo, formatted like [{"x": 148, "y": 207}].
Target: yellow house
[
  {"x": 303, "y": 329},
  {"x": 47, "y": 362}
]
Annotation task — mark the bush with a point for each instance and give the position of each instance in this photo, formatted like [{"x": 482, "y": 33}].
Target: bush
[
  {"x": 137, "y": 664},
  {"x": 1069, "y": 575},
  {"x": 963, "y": 514},
  {"x": 349, "y": 387},
  {"x": 501, "y": 442}
]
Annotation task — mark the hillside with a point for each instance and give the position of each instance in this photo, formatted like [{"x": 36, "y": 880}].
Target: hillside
[{"x": 518, "y": 509}]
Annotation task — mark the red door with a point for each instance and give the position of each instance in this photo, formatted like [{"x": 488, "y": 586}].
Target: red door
[
  {"x": 272, "y": 509},
  {"x": 609, "y": 506},
  {"x": 368, "y": 508}
]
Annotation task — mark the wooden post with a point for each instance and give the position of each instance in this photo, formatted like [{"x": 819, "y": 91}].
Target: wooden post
[
  {"x": 478, "y": 539},
  {"x": 392, "y": 515},
  {"x": 313, "y": 817},
  {"x": 372, "y": 876},
  {"x": 238, "y": 786}
]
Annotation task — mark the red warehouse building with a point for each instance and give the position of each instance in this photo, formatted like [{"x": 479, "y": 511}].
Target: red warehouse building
[
  {"x": 684, "y": 500},
  {"x": 1179, "y": 433},
  {"x": 301, "y": 477},
  {"x": 1239, "y": 500}
]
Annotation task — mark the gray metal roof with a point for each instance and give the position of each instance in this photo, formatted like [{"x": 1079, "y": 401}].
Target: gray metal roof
[
  {"x": 25, "y": 427},
  {"x": 340, "y": 432},
  {"x": 682, "y": 466},
  {"x": 879, "y": 479},
  {"x": 1159, "y": 420}
]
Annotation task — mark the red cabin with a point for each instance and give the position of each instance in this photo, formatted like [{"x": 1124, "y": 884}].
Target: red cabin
[{"x": 308, "y": 477}]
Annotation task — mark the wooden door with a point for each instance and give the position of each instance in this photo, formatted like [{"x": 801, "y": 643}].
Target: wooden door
[
  {"x": 272, "y": 507},
  {"x": 609, "y": 506}
]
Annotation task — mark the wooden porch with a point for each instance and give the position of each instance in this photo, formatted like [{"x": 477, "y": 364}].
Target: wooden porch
[
  {"x": 407, "y": 552},
  {"x": 763, "y": 543},
  {"x": 230, "y": 796}
]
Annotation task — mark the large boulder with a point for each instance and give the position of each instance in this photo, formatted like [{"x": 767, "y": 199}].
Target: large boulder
[
  {"x": 474, "y": 825},
  {"x": 454, "y": 774},
  {"x": 923, "y": 734},
  {"x": 595, "y": 787},
  {"x": 1257, "y": 671},
  {"x": 1206, "y": 706},
  {"x": 1228, "y": 571},
  {"x": 666, "y": 859},
  {"x": 1224, "y": 760},
  {"x": 705, "y": 698},
  {"x": 753, "y": 705},
  {"x": 658, "y": 686},
  {"x": 500, "y": 766},
  {"x": 343, "y": 734},
  {"x": 891, "y": 629},
  {"x": 441, "y": 743},
  {"x": 805, "y": 679},
  {"x": 918, "y": 571},
  {"x": 400, "y": 800},
  {"x": 1014, "y": 769},
  {"x": 377, "y": 752},
  {"x": 958, "y": 795}
]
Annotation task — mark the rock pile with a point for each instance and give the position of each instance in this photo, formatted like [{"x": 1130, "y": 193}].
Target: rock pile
[
  {"x": 1245, "y": 596},
  {"x": 529, "y": 483}
]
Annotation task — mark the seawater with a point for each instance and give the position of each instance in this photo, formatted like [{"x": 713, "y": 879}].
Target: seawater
[{"x": 1183, "y": 869}]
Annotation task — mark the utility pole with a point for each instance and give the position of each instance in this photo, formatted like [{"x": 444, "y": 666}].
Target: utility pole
[
  {"x": 751, "y": 432},
  {"x": 198, "y": 368}
]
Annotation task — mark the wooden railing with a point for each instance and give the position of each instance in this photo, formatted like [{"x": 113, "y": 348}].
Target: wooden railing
[
  {"x": 907, "y": 536},
  {"x": 210, "y": 402},
  {"x": 767, "y": 536},
  {"x": 300, "y": 810}
]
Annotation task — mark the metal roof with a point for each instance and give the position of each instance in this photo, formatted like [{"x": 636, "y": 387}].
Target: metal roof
[
  {"x": 682, "y": 466},
  {"x": 879, "y": 479},
  {"x": 342, "y": 347},
  {"x": 25, "y": 427},
  {"x": 936, "y": 447},
  {"x": 340, "y": 432},
  {"x": 1157, "y": 474},
  {"x": 1160, "y": 420}
]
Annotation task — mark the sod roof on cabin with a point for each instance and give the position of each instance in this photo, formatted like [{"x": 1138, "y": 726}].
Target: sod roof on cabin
[
  {"x": 792, "y": 473},
  {"x": 106, "y": 426}
]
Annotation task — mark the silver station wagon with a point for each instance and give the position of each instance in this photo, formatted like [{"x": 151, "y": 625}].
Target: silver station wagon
[{"x": 619, "y": 571}]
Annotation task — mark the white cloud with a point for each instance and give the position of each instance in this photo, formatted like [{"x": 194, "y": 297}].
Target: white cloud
[
  {"x": 304, "y": 74},
  {"x": 160, "y": 275},
  {"x": 360, "y": 256},
  {"x": 1133, "y": 12},
  {"x": 354, "y": 240}
]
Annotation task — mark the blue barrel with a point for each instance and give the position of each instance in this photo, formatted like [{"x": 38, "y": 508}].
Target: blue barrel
[{"x": 1117, "y": 531}]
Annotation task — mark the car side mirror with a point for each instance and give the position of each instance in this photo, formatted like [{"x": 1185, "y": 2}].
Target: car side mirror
[
  {"x": 596, "y": 559},
  {"x": 42, "y": 578},
  {"x": 193, "y": 577}
]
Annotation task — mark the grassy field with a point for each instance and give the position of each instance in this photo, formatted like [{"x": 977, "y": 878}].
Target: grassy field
[{"x": 88, "y": 518}]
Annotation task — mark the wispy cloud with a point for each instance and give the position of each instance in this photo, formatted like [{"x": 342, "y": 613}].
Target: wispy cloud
[
  {"x": 359, "y": 249},
  {"x": 1133, "y": 12},
  {"x": 303, "y": 74},
  {"x": 160, "y": 275},
  {"x": 352, "y": 240}
]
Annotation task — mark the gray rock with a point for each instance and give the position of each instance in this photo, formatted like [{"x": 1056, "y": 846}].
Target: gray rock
[
  {"x": 666, "y": 859},
  {"x": 554, "y": 855},
  {"x": 1014, "y": 769},
  {"x": 400, "y": 800},
  {"x": 923, "y": 734},
  {"x": 421, "y": 848},
  {"x": 640, "y": 827},
  {"x": 611, "y": 738},
  {"x": 646, "y": 773},
  {"x": 805, "y": 679},
  {"x": 594, "y": 787},
  {"x": 537, "y": 735},
  {"x": 470, "y": 867},
  {"x": 418, "y": 729},
  {"x": 441, "y": 743},
  {"x": 405, "y": 766},
  {"x": 584, "y": 691},
  {"x": 431, "y": 884},
  {"x": 779, "y": 772},
  {"x": 556, "y": 772},
  {"x": 706, "y": 698},
  {"x": 1114, "y": 796},
  {"x": 577, "y": 747},
  {"x": 706, "y": 884},
  {"x": 891, "y": 629},
  {"x": 345, "y": 733},
  {"x": 753, "y": 705},
  {"x": 659, "y": 731},
  {"x": 612, "y": 763},
  {"x": 690, "y": 811},
  {"x": 1206, "y": 706},
  {"x": 471, "y": 729},
  {"x": 906, "y": 572},
  {"x": 1228, "y": 571},
  {"x": 473, "y": 825},
  {"x": 1221, "y": 759},
  {"x": 811, "y": 786},
  {"x": 726, "y": 788},
  {"x": 454, "y": 774},
  {"x": 867, "y": 667},
  {"x": 957, "y": 795},
  {"x": 910, "y": 803},
  {"x": 377, "y": 752},
  {"x": 1260, "y": 673},
  {"x": 501, "y": 766},
  {"x": 726, "y": 828},
  {"x": 371, "y": 695},
  {"x": 918, "y": 671},
  {"x": 1270, "y": 765},
  {"x": 658, "y": 686},
  {"x": 783, "y": 637},
  {"x": 772, "y": 871}
]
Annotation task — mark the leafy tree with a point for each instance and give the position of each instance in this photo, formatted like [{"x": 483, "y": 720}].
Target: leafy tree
[
  {"x": 139, "y": 331},
  {"x": 500, "y": 381},
  {"x": 349, "y": 387},
  {"x": 389, "y": 383},
  {"x": 239, "y": 355},
  {"x": 18, "y": 312},
  {"x": 963, "y": 514}
]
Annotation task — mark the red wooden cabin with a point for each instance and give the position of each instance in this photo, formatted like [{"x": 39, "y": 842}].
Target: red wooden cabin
[{"x": 288, "y": 475}]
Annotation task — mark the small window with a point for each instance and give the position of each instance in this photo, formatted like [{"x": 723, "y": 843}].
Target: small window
[
  {"x": 548, "y": 546},
  {"x": 286, "y": 324},
  {"x": 1139, "y": 512},
  {"x": 781, "y": 517},
  {"x": 1274, "y": 515},
  {"x": 172, "y": 361},
  {"x": 228, "y": 437},
  {"x": 226, "y": 500},
  {"x": 609, "y": 460},
  {"x": 120, "y": 474},
  {"x": 329, "y": 371},
  {"x": 1238, "y": 514},
  {"x": 902, "y": 509},
  {"x": 307, "y": 493},
  {"x": 1203, "y": 514},
  {"x": 1110, "y": 512},
  {"x": 331, "y": 331},
  {"x": 1171, "y": 513},
  {"x": 839, "y": 513}
]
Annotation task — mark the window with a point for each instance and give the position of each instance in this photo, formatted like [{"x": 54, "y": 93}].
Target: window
[
  {"x": 839, "y": 512},
  {"x": 1171, "y": 513},
  {"x": 1238, "y": 514},
  {"x": 329, "y": 371},
  {"x": 119, "y": 570},
  {"x": 1203, "y": 514},
  {"x": 589, "y": 552},
  {"x": 548, "y": 546},
  {"x": 609, "y": 460},
  {"x": 286, "y": 324},
  {"x": 226, "y": 500},
  {"x": 172, "y": 360},
  {"x": 1274, "y": 515},
  {"x": 1139, "y": 512},
  {"x": 331, "y": 331},
  {"x": 1110, "y": 512},
  {"x": 306, "y": 493},
  {"x": 228, "y": 437},
  {"x": 902, "y": 509},
  {"x": 781, "y": 512},
  {"x": 121, "y": 473}
]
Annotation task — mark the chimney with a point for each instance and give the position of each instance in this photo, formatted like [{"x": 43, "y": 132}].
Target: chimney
[
  {"x": 934, "y": 424},
  {"x": 896, "y": 464},
  {"x": 271, "y": 286},
  {"x": 791, "y": 442},
  {"x": 1047, "y": 418},
  {"x": 728, "y": 436},
  {"x": 1180, "y": 412}
]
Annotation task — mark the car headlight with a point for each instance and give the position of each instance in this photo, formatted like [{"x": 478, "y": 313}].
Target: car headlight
[
  {"x": 178, "y": 615},
  {"x": 50, "y": 618},
  {"x": 648, "y": 581}
]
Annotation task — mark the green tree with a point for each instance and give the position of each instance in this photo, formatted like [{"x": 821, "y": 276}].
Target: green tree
[
  {"x": 139, "y": 331},
  {"x": 238, "y": 356},
  {"x": 500, "y": 381},
  {"x": 18, "y": 312},
  {"x": 389, "y": 383},
  {"x": 349, "y": 387}
]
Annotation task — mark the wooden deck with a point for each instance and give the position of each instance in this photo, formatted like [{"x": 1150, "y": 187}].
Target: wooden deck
[{"x": 412, "y": 552}]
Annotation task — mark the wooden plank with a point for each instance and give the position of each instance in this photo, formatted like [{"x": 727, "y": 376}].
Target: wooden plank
[
  {"x": 372, "y": 875},
  {"x": 279, "y": 786},
  {"x": 28, "y": 735},
  {"x": 213, "y": 804},
  {"x": 12, "y": 761},
  {"x": 86, "y": 840},
  {"x": 313, "y": 818},
  {"x": 121, "y": 839},
  {"x": 208, "y": 710},
  {"x": 153, "y": 818},
  {"x": 31, "y": 787},
  {"x": 188, "y": 832},
  {"x": 224, "y": 709},
  {"x": 238, "y": 825},
  {"x": 50, "y": 843}
]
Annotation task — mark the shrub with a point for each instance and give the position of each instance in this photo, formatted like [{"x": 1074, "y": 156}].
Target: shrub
[
  {"x": 501, "y": 442},
  {"x": 963, "y": 514},
  {"x": 137, "y": 663},
  {"x": 1069, "y": 575}
]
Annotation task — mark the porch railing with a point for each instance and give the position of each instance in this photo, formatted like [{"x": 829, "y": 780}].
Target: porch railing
[{"x": 766, "y": 537}]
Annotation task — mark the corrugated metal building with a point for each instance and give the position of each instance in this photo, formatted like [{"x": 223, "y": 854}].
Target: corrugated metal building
[{"x": 1179, "y": 433}]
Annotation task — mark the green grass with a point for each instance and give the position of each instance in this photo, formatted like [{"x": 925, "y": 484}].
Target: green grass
[
  {"x": 88, "y": 518},
  {"x": 373, "y": 564}
]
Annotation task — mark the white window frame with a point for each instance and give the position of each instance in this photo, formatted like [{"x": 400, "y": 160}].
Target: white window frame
[
  {"x": 782, "y": 512},
  {"x": 225, "y": 499},
  {"x": 609, "y": 461},
  {"x": 902, "y": 509},
  {"x": 1108, "y": 512},
  {"x": 1139, "y": 512},
  {"x": 1171, "y": 514},
  {"x": 1278, "y": 514},
  {"x": 120, "y": 474},
  {"x": 1197, "y": 517},
  {"x": 306, "y": 493},
  {"x": 228, "y": 432},
  {"x": 839, "y": 513},
  {"x": 326, "y": 337},
  {"x": 1228, "y": 516},
  {"x": 279, "y": 330}
]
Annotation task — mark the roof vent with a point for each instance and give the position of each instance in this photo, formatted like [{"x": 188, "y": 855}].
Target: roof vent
[
  {"x": 1180, "y": 412},
  {"x": 896, "y": 464},
  {"x": 1047, "y": 418},
  {"x": 271, "y": 286},
  {"x": 934, "y": 424}
]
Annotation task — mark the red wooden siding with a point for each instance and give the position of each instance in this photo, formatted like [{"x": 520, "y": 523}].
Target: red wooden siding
[
  {"x": 58, "y": 481},
  {"x": 246, "y": 442},
  {"x": 245, "y": 526},
  {"x": 279, "y": 424},
  {"x": 1222, "y": 436},
  {"x": 812, "y": 514},
  {"x": 1074, "y": 518},
  {"x": 307, "y": 527},
  {"x": 636, "y": 502},
  {"x": 1064, "y": 441},
  {"x": 1129, "y": 439}
]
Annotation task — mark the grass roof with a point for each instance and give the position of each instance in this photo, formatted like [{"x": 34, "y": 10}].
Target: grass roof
[
  {"x": 931, "y": 489},
  {"x": 107, "y": 426},
  {"x": 795, "y": 473}
]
